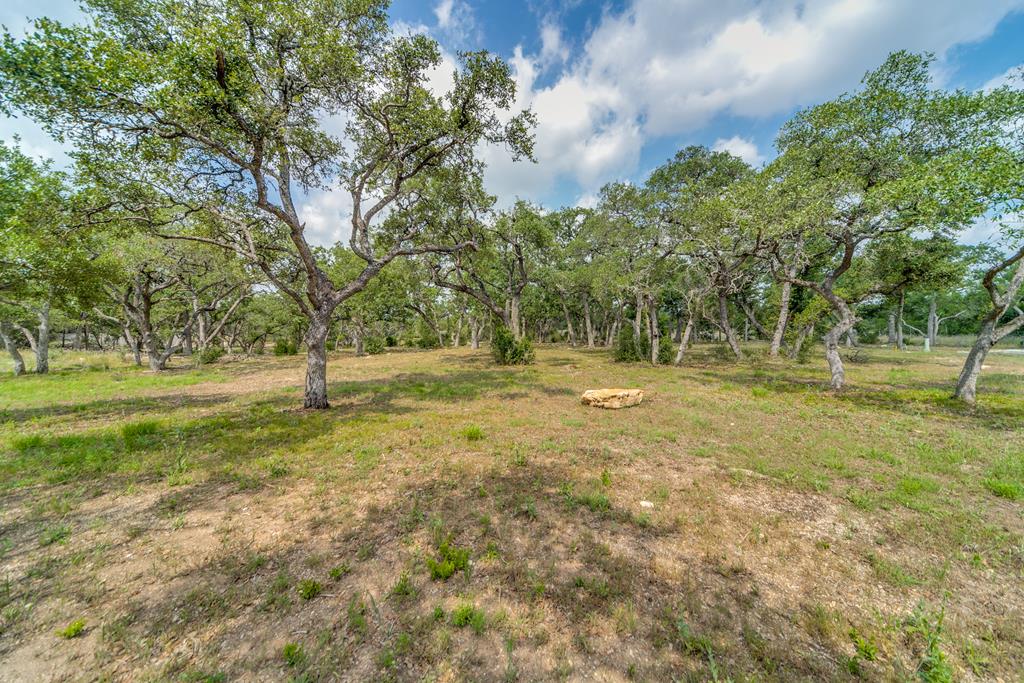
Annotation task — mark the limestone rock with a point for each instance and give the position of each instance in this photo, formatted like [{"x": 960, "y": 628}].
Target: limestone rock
[{"x": 612, "y": 398}]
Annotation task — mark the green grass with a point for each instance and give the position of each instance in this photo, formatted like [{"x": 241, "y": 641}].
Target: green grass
[{"x": 863, "y": 499}]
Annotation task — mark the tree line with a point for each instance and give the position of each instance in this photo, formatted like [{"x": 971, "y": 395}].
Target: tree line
[{"x": 196, "y": 131}]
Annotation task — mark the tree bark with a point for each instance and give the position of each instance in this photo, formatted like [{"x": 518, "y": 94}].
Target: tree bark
[
  {"x": 43, "y": 343},
  {"x": 723, "y": 317},
  {"x": 588, "y": 322},
  {"x": 780, "y": 325},
  {"x": 655, "y": 329},
  {"x": 568, "y": 324},
  {"x": 316, "y": 365},
  {"x": 932, "y": 328},
  {"x": 12, "y": 348},
  {"x": 831, "y": 339},
  {"x": 891, "y": 331},
  {"x": 684, "y": 340},
  {"x": 901, "y": 343}
]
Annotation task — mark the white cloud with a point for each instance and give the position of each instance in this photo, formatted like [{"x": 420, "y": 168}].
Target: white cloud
[
  {"x": 553, "y": 49},
  {"x": 455, "y": 19},
  {"x": 443, "y": 12},
  {"x": 741, "y": 147},
  {"x": 1015, "y": 74},
  {"x": 328, "y": 216},
  {"x": 666, "y": 68}
]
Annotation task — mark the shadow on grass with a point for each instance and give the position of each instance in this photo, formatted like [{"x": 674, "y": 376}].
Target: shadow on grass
[{"x": 553, "y": 581}]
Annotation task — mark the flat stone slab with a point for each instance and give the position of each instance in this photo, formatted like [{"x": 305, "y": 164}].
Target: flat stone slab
[{"x": 612, "y": 399}]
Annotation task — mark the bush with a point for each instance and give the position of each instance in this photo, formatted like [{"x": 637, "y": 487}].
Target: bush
[
  {"x": 628, "y": 350},
  {"x": 374, "y": 346},
  {"x": 509, "y": 351},
  {"x": 285, "y": 347},
  {"x": 211, "y": 354}
]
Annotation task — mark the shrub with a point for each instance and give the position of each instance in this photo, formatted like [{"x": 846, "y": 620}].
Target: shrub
[
  {"x": 473, "y": 433},
  {"x": 73, "y": 630},
  {"x": 285, "y": 347},
  {"x": 309, "y": 589},
  {"x": 507, "y": 350},
  {"x": 451, "y": 559},
  {"x": 468, "y": 615},
  {"x": 211, "y": 354},
  {"x": 293, "y": 654},
  {"x": 628, "y": 349},
  {"x": 374, "y": 346}
]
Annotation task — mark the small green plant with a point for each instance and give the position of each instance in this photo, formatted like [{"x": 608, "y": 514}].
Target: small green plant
[
  {"x": 1006, "y": 478},
  {"x": 357, "y": 615},
  {"x": 73, "y": 630},
  {"x": 285, "y": 347},
  {"x": 439, "y": 613},
  {"x": 309, "y": 589},
  {"x": 403, "y": 588},
  {"x": 507, "y": 350},
  {"x": 450, "y": 560},
  {"x": 54, "y": 534},
  {"x": 926, "y": 626},
  {"x": 339, "y": 571},
  {"x": 473, "y": 433},
  {"x": 136, "y": 434},
  {"x": 468, "y": 615},
  {"x": 866, "y": 649},
  {"x": 211, "y": 354},
  {"x": 293, "y": 654},
  {"x": 374, "y": 346}
]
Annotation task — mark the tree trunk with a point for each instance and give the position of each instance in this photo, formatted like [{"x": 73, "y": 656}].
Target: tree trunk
[
  {"x": 12, "y": 348},
  {"x": 513, "y": 317},
  {"x": 568, "y": 324},
  {"x": 316, "y": 365},
  {"x": 967, "y": 383},
  {"x": 723, "y": 315},
  {"x": 474, "y": 333},
  {"x": 900, "y": 342},
  {"x": 684, "y": 340},
  {"x": 801, "y": 337},
  {"x": 933, "y": 322},
  {"x": 831, "y": 339},
  {"x": 588, "y": 322},
  {"x": 891, "y": 331},
  {"x": 652, "y": 322},
  {"x": 43, "y": 343},
  {"x": 780, "y": 326}
]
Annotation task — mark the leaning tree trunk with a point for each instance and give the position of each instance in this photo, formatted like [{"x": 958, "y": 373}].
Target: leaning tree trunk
[
  {"x": 12, "y": 349},
  {"x": 967, "y": 383},
  {"x": 730, "y": 334},
  {"x": 568, "y": 324},
  {"x": 684, "y": 340},
  {"x": 780, "y": 326},
  {"x": 316, "y": 364},
  {"x": 831, "y": 339}
]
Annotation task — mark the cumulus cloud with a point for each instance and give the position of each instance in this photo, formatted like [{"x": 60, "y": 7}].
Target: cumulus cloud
[
  {"x": 328, "y": 216},
  {"x": 1015, "y": 74},
  {"x": 741, "y": 147},
  {"x": 456, "y": 21},
  {"x": 666, "y": 68}
]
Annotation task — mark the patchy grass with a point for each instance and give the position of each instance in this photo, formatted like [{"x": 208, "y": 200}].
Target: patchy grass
[{"x": 451, "y": 519}]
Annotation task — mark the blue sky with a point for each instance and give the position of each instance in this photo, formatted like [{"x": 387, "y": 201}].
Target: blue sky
[{"x": 619, "y": 86}]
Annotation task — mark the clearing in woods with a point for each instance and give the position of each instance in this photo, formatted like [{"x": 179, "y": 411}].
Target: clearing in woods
[{"x": 450, "y": 520}]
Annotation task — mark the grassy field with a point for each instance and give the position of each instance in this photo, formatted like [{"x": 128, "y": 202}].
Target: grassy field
[{"x": 451, "y": 520}]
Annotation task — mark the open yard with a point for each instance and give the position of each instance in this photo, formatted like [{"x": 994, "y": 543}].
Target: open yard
[{"x": 451, "y": 520}]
